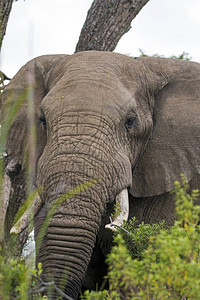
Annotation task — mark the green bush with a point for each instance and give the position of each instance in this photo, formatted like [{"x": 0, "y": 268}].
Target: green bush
[
  {"x": 182, "y": 56},
  {"x": 166, "y": 265},
  {"x": 16, "y": 278},
  {"x": 136, "y": 237}
]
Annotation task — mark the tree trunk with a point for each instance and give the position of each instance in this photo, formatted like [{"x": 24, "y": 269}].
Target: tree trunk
[
  {"x": 5, "y": 9},
  {"x": 107, "y": 21}
]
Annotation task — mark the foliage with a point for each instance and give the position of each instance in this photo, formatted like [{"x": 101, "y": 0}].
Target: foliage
[
  {"x": 182, "y": 56},
  {"x": 136, "y": 237},
  {"x": 151, "y": 262},
  {"x": 16, "y": 278},
  {"x": 168, "y": 265},
  {"x": 116, "y": 210},
  {"x": 95, "y": 295}
]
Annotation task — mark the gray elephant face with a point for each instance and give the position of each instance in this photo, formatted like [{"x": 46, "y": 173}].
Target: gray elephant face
[
  {"x": 105, "y": 117},
  {"x": 92, "y": 112}
]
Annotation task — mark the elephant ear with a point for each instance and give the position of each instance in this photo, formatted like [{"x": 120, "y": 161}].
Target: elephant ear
[
  {"x": 174, "y": 147},
  {"x": 21, "y": 100},
  {"x": 20, "y": 103}
]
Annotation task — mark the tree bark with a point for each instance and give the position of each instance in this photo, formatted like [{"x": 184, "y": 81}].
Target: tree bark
[
  {"x": 5, "y": 9},
  {"x": 107, "y": 21}
]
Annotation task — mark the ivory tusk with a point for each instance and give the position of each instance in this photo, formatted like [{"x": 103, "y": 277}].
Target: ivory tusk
[
  {"x": 122, "y": 202},
  {"x": 27, "y": 217}
]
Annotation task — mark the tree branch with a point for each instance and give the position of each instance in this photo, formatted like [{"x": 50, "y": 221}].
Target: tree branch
[
  {"x": 107, "y": 21},
  {"x": 5, "y": 9}
]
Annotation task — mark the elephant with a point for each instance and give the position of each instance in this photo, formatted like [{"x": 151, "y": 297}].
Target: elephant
[{"x": 118, "y": 130}]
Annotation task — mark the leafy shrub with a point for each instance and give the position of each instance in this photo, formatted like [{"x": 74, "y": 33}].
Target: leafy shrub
[
  {"x": 16, "y": 278},
  {"x": 167, "y": 266},
  {"x": 136, "y": 237},
  {"x": 182, "y": 56}
]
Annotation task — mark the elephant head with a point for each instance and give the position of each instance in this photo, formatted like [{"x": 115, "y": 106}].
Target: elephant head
[{"x": 125, "y": 126}]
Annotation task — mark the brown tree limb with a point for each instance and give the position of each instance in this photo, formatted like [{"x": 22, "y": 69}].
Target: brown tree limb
[
  {"x": 107, "y": 21},
  {"x": 5, "y": 9}
]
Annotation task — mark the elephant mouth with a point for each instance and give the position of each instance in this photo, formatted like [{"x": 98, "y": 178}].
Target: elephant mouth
[{"x": 122, "y": 204}]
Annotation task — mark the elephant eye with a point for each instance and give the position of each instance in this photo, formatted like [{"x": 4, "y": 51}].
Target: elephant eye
[
  {"x": 42, "y": 121},
  {"x": 130, "y": 122}
]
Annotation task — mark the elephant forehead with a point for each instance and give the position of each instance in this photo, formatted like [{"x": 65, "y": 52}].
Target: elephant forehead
[
  {"x": 84, "y": 75},
  {"x": 84, "y": 94},
  {"x": 96, "y": 59},
  {"x": 95, "y": 66}
]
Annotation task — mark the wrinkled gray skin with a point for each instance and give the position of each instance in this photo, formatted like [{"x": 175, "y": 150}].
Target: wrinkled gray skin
[{"x": 97, "y": 115}]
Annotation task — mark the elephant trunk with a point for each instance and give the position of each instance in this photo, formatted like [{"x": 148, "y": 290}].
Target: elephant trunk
[
  {"x": 68, "y": 251},
  {"x": 70, "y": 237},
  {"x": 72, "y": 230}
]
